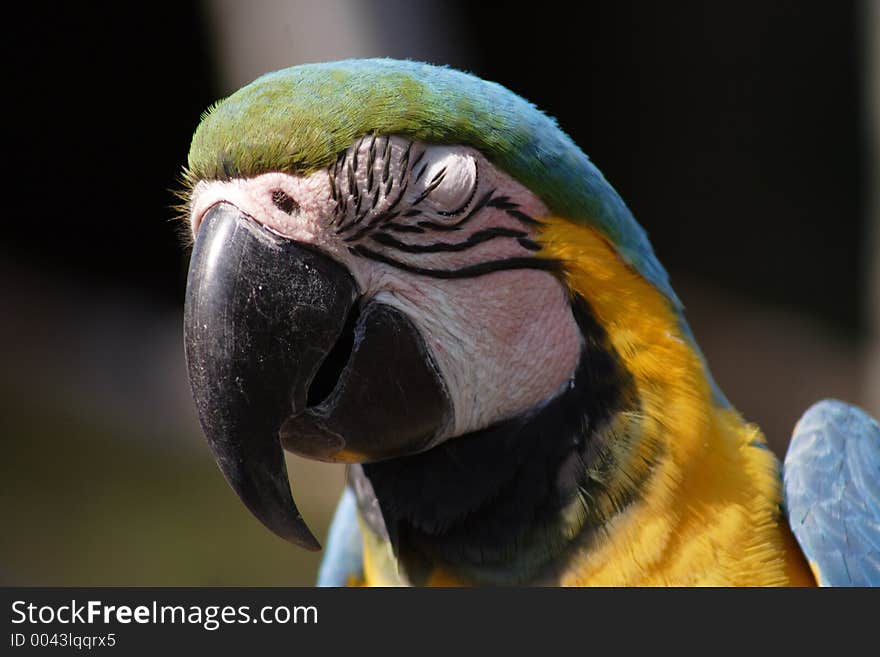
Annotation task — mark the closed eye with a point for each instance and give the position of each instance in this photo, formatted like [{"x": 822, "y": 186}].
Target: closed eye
[{"x": 457, "y": 211}]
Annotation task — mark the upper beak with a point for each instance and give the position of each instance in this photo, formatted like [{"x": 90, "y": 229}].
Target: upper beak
[{"x": 261, "y": 314}]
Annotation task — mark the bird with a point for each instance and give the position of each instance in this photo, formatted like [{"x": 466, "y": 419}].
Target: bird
[{"x": 416, "y": 272}]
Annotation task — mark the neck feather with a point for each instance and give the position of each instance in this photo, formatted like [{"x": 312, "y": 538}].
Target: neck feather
[{"x": 709, "y": 513}]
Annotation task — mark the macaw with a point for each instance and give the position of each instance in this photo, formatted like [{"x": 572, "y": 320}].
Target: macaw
[{"x": 413, "y": 271}]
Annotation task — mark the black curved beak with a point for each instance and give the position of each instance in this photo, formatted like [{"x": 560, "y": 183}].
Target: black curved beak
[
  {"x": 280, "y": 355},
  {"x": 261, "y": 314}
]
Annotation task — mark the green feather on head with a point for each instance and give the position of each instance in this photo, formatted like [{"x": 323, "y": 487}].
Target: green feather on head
[{"x": 299, "y": 119}]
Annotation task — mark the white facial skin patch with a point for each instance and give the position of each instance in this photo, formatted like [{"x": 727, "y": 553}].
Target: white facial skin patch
[{"x": 442, "y": 235}]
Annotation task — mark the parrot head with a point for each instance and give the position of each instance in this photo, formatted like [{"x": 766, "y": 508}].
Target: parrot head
[{"x": 408, "y": 268}]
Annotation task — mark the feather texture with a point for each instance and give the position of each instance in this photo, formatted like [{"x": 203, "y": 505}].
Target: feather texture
[
  {"x": 832, "y": 492},
  {"x": 299, "y": 119}
]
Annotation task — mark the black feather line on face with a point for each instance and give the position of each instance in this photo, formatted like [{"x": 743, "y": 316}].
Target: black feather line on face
[
  {"x": 354, "y": 153},
  {"x": 332, "y": 179},
  {"x": 444, "y": 247},
  {"x": 404, "y": 158},
  {"x": 386, "y": 156},
  {"x": 434, "y": 184},
  {"x": 470, "y": 271},
  {"x": 417, "y": 160},
  {"x": 371, "y": 160},
  {"x": 402, "y": 228}
]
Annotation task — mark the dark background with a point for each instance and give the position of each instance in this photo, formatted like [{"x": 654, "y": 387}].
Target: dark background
[{"x": 736, "y": 131}]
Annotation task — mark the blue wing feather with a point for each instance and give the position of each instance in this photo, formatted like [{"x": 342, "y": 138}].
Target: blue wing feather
[
  {"x": 343, "y": 553},
  {"x": 832, "y": 493}
]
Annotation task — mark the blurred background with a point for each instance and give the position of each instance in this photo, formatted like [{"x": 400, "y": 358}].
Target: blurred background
[{"x": 743, "y": 135}]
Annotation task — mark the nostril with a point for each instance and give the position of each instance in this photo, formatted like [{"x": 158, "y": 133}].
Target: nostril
[
  {"x": 327, "y": 376},
  {"x": 284, "y": 201}
]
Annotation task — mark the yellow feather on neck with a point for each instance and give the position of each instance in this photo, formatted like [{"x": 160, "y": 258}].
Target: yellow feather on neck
[{"x": 709, "y": 508}]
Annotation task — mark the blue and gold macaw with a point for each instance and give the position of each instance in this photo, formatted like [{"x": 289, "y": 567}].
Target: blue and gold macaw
[{"x": 415, "y": 272}]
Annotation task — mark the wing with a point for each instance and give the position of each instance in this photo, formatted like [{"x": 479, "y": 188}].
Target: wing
[
  {"x": 832, "y": 492},
  {"x": 343, "y": 553}
]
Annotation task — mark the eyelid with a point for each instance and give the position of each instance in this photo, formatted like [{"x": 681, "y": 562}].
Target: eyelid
[
  {"x": 447, "y": 184},
  {"x": 457, "y": 211}
]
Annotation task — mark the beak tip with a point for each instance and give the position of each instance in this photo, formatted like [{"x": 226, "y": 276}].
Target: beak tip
[
  {"x": 302, "y": 537},
  {"x": 299, "y": 534},
  {"x": 283, "y": 520},
  {"x": 266, "y": 494},
  {"x": 312, "y": 545}
]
